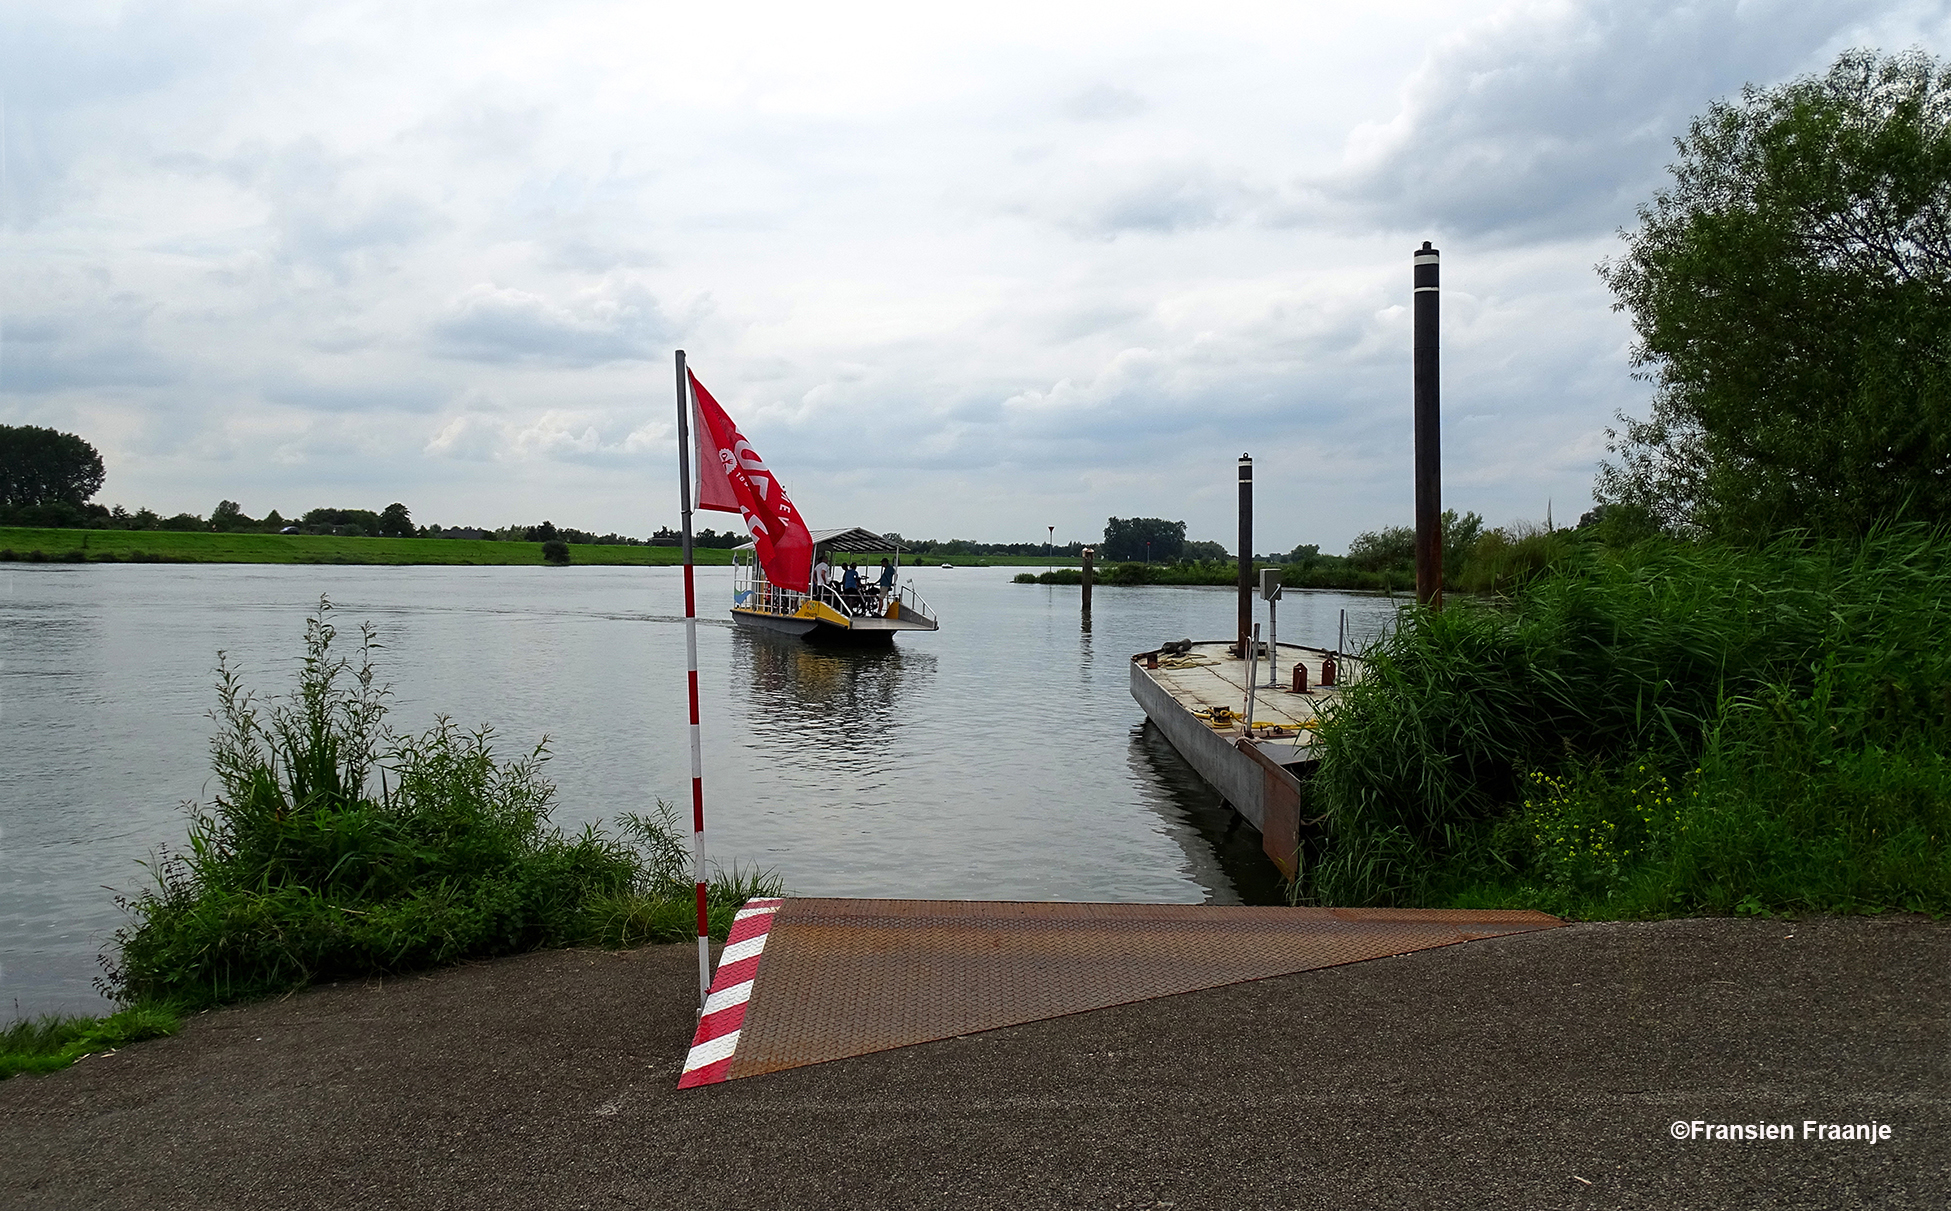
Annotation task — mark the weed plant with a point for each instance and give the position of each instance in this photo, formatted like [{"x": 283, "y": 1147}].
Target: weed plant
[
  {"x": 1665, "y": 729},
  {"x": 337, "y": 849},
  {"x": 47, "y": 1043}
]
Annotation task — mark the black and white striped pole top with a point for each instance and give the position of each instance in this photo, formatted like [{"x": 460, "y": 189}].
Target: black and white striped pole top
[
  {"x": 1426, "y": 266},
  {"x": 1428, "y": 424}
]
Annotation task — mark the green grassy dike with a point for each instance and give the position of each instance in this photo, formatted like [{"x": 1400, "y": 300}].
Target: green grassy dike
[
  {"x": 24, "y": 544},
  {"x": 173, "y": 546}
]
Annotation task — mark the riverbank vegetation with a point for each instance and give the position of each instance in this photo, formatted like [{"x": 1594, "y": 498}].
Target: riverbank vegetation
[
  {"x": 167, "y": 546},
  {"x": 336, "y": 849},
  {"x": 1475, "y": 559},
  {"x": 56, "y": 1041},
  {"x": 1666, "y": 729}
]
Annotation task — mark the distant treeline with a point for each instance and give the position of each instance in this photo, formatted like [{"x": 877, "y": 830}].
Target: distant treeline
[
  {"x": 1474, "y": 558},
  {"x": 394, "y": 521}
]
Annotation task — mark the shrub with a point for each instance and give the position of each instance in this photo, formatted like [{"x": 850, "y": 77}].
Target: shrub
[
  {"x": 337, "y": 849},
  {"x": 555, "y": 551}
]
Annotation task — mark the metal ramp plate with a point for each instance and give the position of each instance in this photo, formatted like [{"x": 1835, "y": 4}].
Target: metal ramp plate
[{"x": 842, "y": 978}]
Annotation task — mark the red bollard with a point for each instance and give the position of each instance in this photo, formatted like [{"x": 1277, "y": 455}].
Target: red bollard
[
  {"x": 1327, "y": 671},
  {"x": 1300, "y": 678}
]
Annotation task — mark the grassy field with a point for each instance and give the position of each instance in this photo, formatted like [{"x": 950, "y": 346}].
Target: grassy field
[
  {"x": 189, "y": 547},
  {"x": 173, "y": 546}
]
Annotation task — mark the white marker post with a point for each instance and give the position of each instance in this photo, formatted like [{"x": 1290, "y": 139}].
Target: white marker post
[{"x": 691, "y": 675}]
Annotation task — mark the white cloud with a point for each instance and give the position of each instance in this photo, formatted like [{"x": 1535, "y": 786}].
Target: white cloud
[
  {"x": 1557, "y": 117},
  {"x": 954, "y": 272},
  {"x": 500, "y": 324}
]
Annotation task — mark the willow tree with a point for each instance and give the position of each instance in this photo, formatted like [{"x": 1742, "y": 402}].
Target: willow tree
[
  {"x": 43, "y": 466},
  {"x": 1791, "y": 291}
]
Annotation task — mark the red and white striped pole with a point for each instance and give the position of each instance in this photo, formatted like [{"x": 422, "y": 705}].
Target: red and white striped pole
[{"x": 691, "y": 676}]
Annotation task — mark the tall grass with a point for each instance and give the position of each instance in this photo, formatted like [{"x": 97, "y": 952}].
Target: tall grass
[
  {"x": 335, "y": 848},
  {"x": 48, "y": 1043},
  {"x": 1667, "y": 728}
]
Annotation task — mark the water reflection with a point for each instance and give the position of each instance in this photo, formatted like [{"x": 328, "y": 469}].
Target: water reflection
[
  {"x": 1221, "y": 848},
  {"x": 843, "y": 703}
]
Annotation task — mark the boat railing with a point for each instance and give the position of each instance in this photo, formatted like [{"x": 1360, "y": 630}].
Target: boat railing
[
  {"x": 913, "y": 605},
  {"x": 752, "y": 591},
  {"x": 834, "y": 599}
]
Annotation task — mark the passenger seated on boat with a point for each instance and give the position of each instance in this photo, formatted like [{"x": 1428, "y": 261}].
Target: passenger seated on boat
[
  {"x": 822, "y": 573},
  {"x": 850, "y": 586}
]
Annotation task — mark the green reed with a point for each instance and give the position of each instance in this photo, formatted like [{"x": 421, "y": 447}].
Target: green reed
[{"x": 1669, "y": 728}]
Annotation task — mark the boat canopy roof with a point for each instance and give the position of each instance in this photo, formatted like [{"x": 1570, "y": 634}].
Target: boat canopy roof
[{"x": 850, "y": 540}]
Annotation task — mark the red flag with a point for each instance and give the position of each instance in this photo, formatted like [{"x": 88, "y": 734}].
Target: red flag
[{"x": 733, "y": 479}]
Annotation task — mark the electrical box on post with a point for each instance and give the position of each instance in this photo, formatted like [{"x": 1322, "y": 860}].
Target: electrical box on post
[{"x": 1270, "y": 584}]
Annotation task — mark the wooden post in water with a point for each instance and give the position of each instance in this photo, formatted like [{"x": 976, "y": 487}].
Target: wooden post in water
[
  {"x": 1429, "y": 456},
  {"x": 1246, "y": 554},
  {"x": 1090, "y": 556}
]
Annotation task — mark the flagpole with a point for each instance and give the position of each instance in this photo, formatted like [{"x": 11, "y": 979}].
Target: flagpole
[{"x": 691, "y": 673}]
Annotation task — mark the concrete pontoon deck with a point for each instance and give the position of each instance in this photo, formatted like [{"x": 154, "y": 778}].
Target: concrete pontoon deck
[
  {"x": 1210, "y": 676},
  {"x": 1198, "y": 699}
]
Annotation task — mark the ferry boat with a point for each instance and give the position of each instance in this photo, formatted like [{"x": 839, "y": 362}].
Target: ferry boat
[{"x": 829, "y": 613}]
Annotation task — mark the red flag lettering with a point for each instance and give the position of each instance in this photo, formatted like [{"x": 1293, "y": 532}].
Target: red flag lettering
[{"x": 732, "y": 478}]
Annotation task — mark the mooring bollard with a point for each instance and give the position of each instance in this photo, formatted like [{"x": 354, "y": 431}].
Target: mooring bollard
[
  {"x": 1300, "y": 678},
  {"x": 1327, "y": 671}
]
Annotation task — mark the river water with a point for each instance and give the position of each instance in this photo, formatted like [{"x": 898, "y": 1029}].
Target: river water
[{"x": 1001, "y": 758}]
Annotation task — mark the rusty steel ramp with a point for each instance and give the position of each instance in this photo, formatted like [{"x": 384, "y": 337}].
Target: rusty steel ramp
[{"x": 804, "y": 981}]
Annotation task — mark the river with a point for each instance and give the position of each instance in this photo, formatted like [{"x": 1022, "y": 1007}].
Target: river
[{"x": 1001, "y": 758}]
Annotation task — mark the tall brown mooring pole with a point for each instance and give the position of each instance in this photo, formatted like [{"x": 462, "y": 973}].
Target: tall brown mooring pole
[
  {"x": 1429, "y": 452},
  {"x": 1246, "y": 553}
]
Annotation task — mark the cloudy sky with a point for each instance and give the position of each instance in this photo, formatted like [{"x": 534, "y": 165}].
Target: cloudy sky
[{"x": 956, "y": 272}]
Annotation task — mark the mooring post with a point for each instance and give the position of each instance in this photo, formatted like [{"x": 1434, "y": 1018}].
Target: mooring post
[
  {"x": 1090, "y": 557},
  {"x": 1246, "y": 553},
  {"x": 1429, "y": 456}
]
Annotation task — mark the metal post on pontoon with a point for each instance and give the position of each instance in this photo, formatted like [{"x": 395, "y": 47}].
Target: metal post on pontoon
[
  {"x": 691, "y": 676},
  {"x": 1252, "y": 674},
  {"x": 1246, "y": 552}
]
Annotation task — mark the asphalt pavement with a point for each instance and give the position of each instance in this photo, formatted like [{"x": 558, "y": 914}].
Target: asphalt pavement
[{"x": 1542, "y": 1070}]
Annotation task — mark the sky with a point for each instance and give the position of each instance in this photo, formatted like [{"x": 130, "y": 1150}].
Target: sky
[{"x": 954, "y": 272}]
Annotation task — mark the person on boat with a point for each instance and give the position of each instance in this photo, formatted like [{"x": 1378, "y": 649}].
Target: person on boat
[
  {"x": 850, "y": 585},
  {"x": 882, "y": 591},
  {"x": 822, "y": 573}
]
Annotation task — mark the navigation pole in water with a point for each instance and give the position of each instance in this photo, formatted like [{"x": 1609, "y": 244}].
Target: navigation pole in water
[
  {"x": 1429, "y": 457},
  {"x": 691, "y": 676}
]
